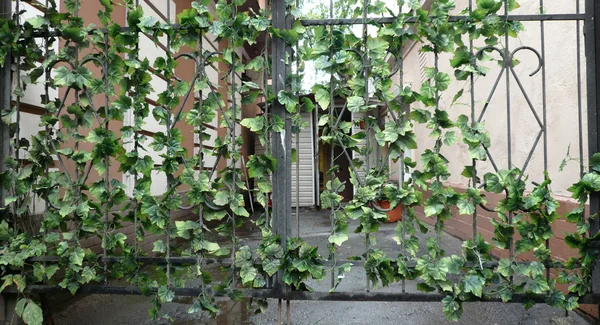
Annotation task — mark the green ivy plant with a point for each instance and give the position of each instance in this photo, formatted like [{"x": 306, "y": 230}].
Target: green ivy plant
[{"x": 105, "y": 82}]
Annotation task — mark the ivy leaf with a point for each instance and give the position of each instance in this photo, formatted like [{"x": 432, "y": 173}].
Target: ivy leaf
[
  {"x": 255, "y": 124},
  {"x": 271, "y": 267},
  {"x": 453, "y": 263},
  {"x": 88, "y": 273},
  {"x": 461, "y": 56},
  {"x": 442, "y": 81},
  {"x": 432, "y": 209},
  {"x": 260, "y": 23},
  {"x": 420, "y": 115},
  {"x": 505, "y": 293},
  {"x": 222, "y": 198},
  {"x": 571, "y": 303},
  {"x": 78, "y": 78},
  {"x": 492, "y": 183},
  {"x": 181, "y": 88},
  {"x": 356, "y": 104},
  {"x": 288, "y": 99},
  {"x": 309, "y": 106},
  {"x": 37, "y": 21},
  {"x": 250, "y": 97},
  {"x": 19, "y": 281},
  {"x": 256, "y": 64},
  {"x": 466, "y": 206},
  {"x": 474, "y": 284},
  {"x": 74, "y": 34},
  {"x": 450, "y": 138},
  {"x": 424, "y": 287},
  {"x": 536, "y": 268},
  {"x": 165, "y": 294},
  {"x": 289, "y": 36},
  {"x": 452, "y": 309},
  {"x": 146, "y": 23},
  {"x": 487, "y": 4},
  {"x": 412, "y": 245},
  {"x": 159, "y": 247},
  {"x": 322, "y": 97},
  {"x": 210, "y": 215},
  {"x": 555, "y": 299},
  {"x": 77, "y": 256},
  {"x": 338, "y": 238},
  {"x": 457, "y": 96},
  {"x": 377, "y": 46},
  {"x": 259, "y": 166},
  {"x": 248, "y": 273},
  {"x": 539, "y": 285},
  {"x": 32, "y": 314},
  {"x": 505, "y": 267}
]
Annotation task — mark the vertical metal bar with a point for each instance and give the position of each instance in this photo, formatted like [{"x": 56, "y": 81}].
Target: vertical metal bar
[
  {"x": 438, "y": 144},
  {"x": 473, "y": 121},
  {"x": 282, "y": 142},
  {"x": 268, "y": 134},
  {"x": 317, "y": 158},
  {"x": 5, "y": 95},
  {"x": 366, "y": 64},
  {"x": 402, "y": 165},
  {"x": 579, "y": 97},
  {"x": 200, "y": 148},
  {"x": 136, "y": 144},
  {"x": 247, "y": 179},
  {"x": 18, "y": 98},
  {"x": 106, "y": 158},
  {"x": 233, "y": 160},
  {"x": 508, "y": 118},
  {"x": 18, "y": 106},
  {"x": 168, "y": 136},
  {"x": 544, "y": 111},
  {"x": 266, "y": 114},
  {"x": 297, "y": 74},
  {"x": 507, "y": 65},
  {"x": 592, "y": 47},
  {"x": 45, "y": 101},
  {"x": 331, "y": 150}
]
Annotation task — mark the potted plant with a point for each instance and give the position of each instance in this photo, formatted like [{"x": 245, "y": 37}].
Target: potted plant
[{"x": 387, "y": 203}]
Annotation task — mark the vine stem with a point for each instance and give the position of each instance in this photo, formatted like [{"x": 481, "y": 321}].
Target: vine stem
[{"x": 332, "y": 174}]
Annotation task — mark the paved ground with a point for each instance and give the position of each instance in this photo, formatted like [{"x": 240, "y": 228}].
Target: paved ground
[{"x": 314, "y": 229}]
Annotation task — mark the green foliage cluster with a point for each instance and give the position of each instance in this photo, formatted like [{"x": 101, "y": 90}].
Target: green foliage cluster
[{"x": 82, "y": 134}]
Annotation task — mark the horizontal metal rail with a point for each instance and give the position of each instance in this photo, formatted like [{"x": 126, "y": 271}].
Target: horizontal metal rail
[
  {"x": 227, "y": 261},
  {"x": 360, "y": 21},
  {"x": 412, "y": 20},
  {"x": 297, "y": 295}
]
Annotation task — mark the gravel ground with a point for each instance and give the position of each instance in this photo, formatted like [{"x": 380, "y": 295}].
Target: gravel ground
[{"x": 104, "y": 309}]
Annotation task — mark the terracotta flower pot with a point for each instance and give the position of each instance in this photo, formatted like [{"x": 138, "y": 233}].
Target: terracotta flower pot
[
  {"x": 362, "y": 125},
  {"x": 393, "y": 215}
]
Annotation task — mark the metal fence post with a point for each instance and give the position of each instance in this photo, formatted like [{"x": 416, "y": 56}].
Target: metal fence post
[
  {"x": 5, "y": 100},
  {"x": 592, "y": 47},
  {"x": 281, "y": 142},
  {"x": 6, "y": 301}
]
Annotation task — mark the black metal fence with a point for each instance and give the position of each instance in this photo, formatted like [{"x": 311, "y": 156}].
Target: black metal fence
[{"x": 587, "y": 23}]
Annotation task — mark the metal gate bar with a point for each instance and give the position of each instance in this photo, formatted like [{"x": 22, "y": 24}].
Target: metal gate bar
[
  {"x": 282, "y": 145},
  {"x": 592, "y": 48},
  {"x": 299, "y": 295}
]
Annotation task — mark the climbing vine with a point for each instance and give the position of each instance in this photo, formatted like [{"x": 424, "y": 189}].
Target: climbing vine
[{"x": 97, "y": 126}]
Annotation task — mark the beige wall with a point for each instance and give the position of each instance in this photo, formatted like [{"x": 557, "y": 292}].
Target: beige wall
[
  {"x": 561, "y": 102},
  {"x": 562, "y": 117}
]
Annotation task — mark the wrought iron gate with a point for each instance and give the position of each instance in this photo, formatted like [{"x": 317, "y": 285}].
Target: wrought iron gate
[{"x": 283, "y": 56}]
